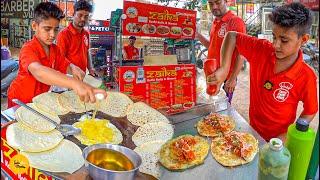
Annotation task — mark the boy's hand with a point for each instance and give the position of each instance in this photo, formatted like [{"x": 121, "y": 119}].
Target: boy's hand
[
  {"x": 77, "y": 72},
  {"x": 217, "y": 78},
  {"x": 230, "y": 85},
  {"x": 87, "y": 92}
]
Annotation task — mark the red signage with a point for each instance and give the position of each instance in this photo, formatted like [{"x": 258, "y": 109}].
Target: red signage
[
  {"x": 170, "y": 86},
  {"x": 100, "y": 27},
  {"x": 312, "y": 4},
  {"x": 158, "y": 21}
]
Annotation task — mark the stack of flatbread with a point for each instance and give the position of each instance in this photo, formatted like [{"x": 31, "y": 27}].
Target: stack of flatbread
[
  {"x": 228, "y": 147},
  {"x": 154, "y": 130},
  {"x": 44, "y": 146}
]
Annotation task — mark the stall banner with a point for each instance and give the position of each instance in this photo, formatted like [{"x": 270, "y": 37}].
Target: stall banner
[
  {"x": 15, "y": 165},
  {"x": 170, "y": 87},
  {"x": 18, "y": 8},
  {"x": 312, "y": 4},
  {"x": 158, "y": 21},
  {"x": 100, "y": 27}
]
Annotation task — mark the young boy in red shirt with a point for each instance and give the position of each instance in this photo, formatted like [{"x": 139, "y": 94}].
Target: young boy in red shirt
[
  {"x": 40, "y": 62},
  {"x": 279, "y": 78}
]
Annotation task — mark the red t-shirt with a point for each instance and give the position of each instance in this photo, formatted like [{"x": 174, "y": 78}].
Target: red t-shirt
[
  {"x": 74, "y": 46},
  {"x": 273, "y": 109},
  {"x": 219, "y": 28},
  {"x": 131, "y": 51},
  {"x": 25, "y": 86}
]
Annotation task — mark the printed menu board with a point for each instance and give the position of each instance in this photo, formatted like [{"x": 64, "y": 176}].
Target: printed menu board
[
  {"x": 162, "y": 87},
  {"x": 158, "y": 21}
]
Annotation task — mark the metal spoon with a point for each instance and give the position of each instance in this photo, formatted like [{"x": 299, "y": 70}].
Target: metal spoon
[{"x": 65, "y": 129}]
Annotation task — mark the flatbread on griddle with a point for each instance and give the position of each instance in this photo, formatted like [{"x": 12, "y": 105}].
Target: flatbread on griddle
[
  {"x": 184, "y": 152},
  {"x": 71, "y": 101},
  {"x": 226, "y": 153},
  {"x": 140, "y": 113},
  {"x": 35, "y": 122},
  {"x": 153, "y": 132},
  {"x": 66, "y": 157},
  {"x": 115, "y": 104},
  {"x": 215, "y": 125},
  {"x": 23, "y": 138},
  {"x": 48, "y": 102}
]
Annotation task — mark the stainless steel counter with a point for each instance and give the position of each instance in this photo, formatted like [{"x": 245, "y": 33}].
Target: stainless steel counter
[{"x": 211, "y": 169}]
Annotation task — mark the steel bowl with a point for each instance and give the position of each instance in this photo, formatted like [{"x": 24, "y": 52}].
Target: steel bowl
[{"x": 98, "y": 173}]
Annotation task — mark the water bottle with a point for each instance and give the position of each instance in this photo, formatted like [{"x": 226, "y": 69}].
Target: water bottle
[
  {"x": 300, "y": 140},
  {"x": 274, "y": 161}
]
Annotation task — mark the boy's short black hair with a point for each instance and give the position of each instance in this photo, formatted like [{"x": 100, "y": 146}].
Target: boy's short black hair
[
  {"x": 46, "y": 10},
  {"x": 293, "y": 15},
  {"x": 82, "y": 5}
]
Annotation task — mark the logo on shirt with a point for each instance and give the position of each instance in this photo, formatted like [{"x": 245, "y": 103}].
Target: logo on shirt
[
  {"x": 223, "y": 30},
  {"x": 85, "y": 40},
  {"x": 282, "y": 93}
]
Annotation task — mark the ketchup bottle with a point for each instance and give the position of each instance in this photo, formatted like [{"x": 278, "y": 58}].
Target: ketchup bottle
[{"x": 210, "y": 66}]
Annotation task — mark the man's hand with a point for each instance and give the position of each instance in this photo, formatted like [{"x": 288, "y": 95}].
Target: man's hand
[
  {"x": 86, "y": 92},
  {"x": 230, "y": 85},
  {"x": 77, "y": 72},
  {"x": 92, "y": 72}
]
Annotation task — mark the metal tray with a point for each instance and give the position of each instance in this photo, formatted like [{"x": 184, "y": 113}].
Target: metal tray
[{"x": 199, "y": 110}]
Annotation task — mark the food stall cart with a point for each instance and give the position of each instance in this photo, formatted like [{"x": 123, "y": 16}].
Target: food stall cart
[
  {"x": 168, "y": 87},
  {"x": 183, "y": 124}
]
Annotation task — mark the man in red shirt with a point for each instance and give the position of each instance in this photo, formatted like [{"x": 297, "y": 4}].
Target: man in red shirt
[
  {"x": 73, "y": 40},
  {"x": 41, "y": 64},
  {"x": 130, "y": 52},
  {"x": 224, "y": 21},
  {"x": 166, "y": 48},
  {"x": 279, "y": 77}
]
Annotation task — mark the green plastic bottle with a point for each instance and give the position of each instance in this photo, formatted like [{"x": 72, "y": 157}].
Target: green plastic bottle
[
  {"x": 274, "y": 161},
  {"x": 300, "y": 140}
]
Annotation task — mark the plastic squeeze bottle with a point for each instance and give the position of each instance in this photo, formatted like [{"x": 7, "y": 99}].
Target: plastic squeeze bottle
[
  {"x": 209, "y": 66},
  {"x": 300, "y": 140},
  {"x": 274, "y": 161}
]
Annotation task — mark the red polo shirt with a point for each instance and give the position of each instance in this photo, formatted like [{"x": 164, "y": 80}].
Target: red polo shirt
[
  {"x": 25, "y": 86},
  {"x": 74, "y": 46},
  {"x": 131, "y": 51},
  {"x": 273, "y": 109},
  {"x": 219, "y": 28}
]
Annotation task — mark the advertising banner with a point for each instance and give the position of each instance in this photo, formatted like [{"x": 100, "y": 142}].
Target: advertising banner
[
  {"x": 312, "y": 4},
  {"x": 162, "y": 87},
  {"x": 158, "y": 21},
  {"x": 100, "y": 27}
]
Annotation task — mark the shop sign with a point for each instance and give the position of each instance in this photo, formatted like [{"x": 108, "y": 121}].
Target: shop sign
[
  {"x": 158, "y": 21},
  {"x": 12, "y": 164},
  {"x": 99, "y": 27},
  {"x": 162, "y": 87},
  {"x": 312, "y": 4},
  {"x": 18, "y": 8}
]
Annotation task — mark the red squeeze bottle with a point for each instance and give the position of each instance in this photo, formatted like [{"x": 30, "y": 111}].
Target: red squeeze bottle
[{"x": 210, "y": 66}]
